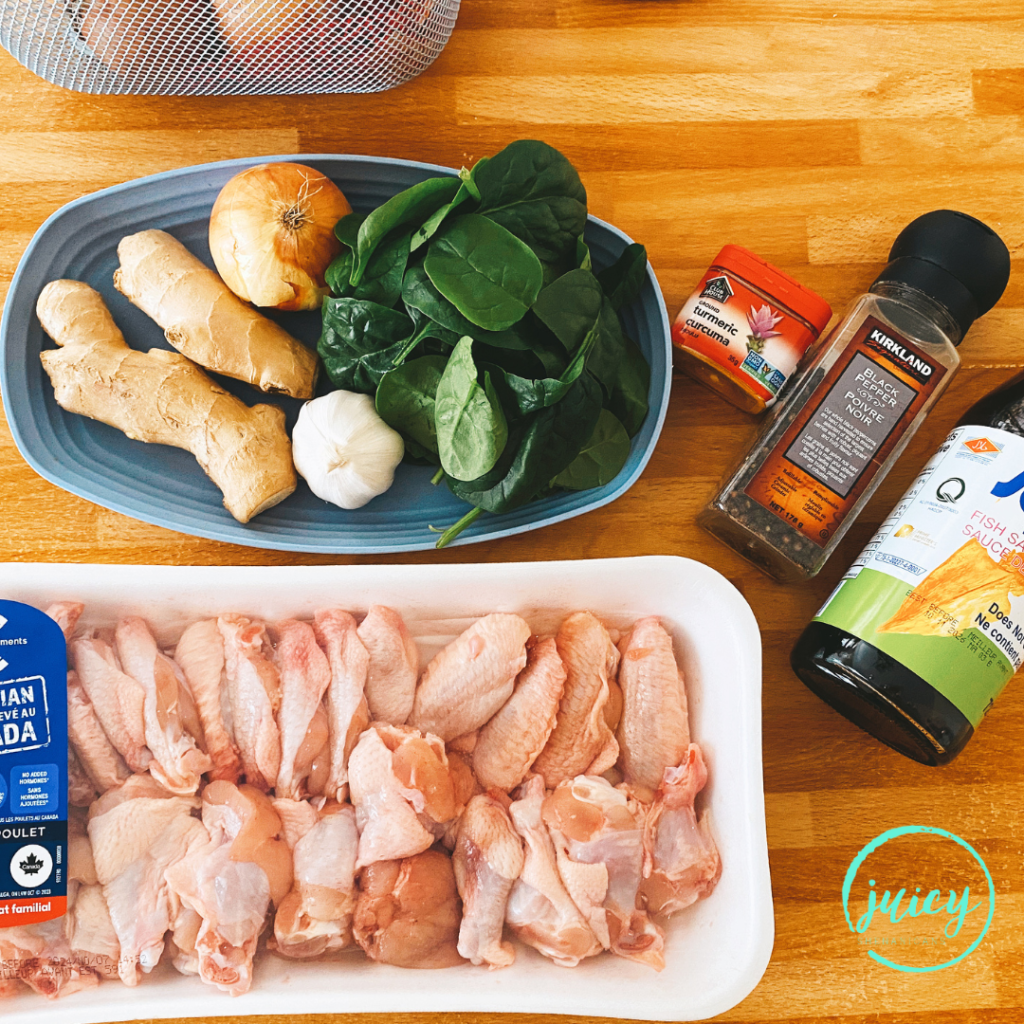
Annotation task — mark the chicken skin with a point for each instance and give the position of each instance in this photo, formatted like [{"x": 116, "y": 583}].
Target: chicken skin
[
  {"x": 582, "y": 742},
  {"x": 254, "y": 694},
  {"x": 99, "y": 760},
  {"x": 681, "y": 862},
  {"x": 316, "y": 916},
  {"x": 169, "y": 714},
  {"x": 231, "y": 879},
  {"x": 468, "y": 681},
  {"x": 118, "y": 699},
  {"x": 654, "y": 731},
  {"x": 394, "y": 665},
  {"x": 347, "y": 715},
  {"x": 409, "y": 912},
  {"x": 139, "y": 831},
  {"x": 488, "y": 858},
  {"x": 200, "y": 655},
  {"x": 305, "y": 675},
  {"x": 540, "y": 911},
  {"x": 510, "y": 742},
  {"x": 598, "y": 837}
]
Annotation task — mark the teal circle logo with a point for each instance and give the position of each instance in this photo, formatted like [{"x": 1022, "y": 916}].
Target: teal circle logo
[{"x": 889, "y": 904}]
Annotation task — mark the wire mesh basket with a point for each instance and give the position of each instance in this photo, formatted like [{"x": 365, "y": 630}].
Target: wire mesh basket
[{"x": 226, "y": 47}]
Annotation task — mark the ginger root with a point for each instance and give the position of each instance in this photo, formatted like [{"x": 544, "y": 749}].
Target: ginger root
[
  {"x": 163, "y": 398},
  {"x": 204, "y": 320}
]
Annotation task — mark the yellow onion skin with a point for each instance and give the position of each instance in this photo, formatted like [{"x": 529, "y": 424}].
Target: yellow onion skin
[{"x": 272, "y": 234}]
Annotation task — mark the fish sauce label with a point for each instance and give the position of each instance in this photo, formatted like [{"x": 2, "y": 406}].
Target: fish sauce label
[
  {"x": 757, "y": 342},
  {"x": 841, "y": 438},
  {"x": 33, "y": 767},
  {"x": 940, "y": 587}
]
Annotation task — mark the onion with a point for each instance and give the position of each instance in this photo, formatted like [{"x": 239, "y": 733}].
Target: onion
[{"x": 272, "y": 234}]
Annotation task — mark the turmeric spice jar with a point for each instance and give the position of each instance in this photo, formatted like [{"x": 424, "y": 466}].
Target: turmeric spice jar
[{"x": 746, "y": 327}]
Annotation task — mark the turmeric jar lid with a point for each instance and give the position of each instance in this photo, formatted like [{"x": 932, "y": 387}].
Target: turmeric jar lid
[{"x": 787, "y": 291}]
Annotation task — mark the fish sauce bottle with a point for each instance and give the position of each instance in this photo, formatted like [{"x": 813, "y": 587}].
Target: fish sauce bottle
[
  {"x": 927, "y": 626},
  {"x": 846, "y": 417}
]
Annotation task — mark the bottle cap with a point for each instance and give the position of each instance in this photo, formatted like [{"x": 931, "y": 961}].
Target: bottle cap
[
  {"x": 953, "y": 258},
  {"x": 787, "y": 290}
]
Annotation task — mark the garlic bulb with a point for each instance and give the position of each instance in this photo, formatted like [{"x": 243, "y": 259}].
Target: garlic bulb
[
  {"x": 344, "y": 450},
  {"x": 272, "y": 234}
]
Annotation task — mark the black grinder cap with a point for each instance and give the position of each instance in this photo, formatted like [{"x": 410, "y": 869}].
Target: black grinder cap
[{"x": 954, "y": 259}]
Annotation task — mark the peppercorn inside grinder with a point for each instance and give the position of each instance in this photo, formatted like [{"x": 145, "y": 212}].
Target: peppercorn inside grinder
[{"x": 848, "y": 414}]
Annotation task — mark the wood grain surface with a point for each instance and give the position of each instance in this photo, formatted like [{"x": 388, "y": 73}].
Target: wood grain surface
[{"x": 808, "y": 130}]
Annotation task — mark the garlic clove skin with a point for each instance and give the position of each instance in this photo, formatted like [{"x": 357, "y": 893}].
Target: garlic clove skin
[{"x": 344, "y": 450}]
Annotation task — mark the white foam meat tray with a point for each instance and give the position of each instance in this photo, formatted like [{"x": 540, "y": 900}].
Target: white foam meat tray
[{"x": 716, "y": 951}]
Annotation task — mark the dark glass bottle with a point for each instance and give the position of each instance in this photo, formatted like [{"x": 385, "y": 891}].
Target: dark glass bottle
[{"x": 870, "y": 686}]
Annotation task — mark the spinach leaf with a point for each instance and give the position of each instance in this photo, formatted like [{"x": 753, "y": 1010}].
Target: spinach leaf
[
  {"x": 622, "y": 370},
  {"x": 424, "y": 328},
  {"x": 583, "y": 261},
  {"x": 406, "y": 210},
  {"x": 435, "y": 220},
  {"x": 360, "y": 342},
  {"x": 471, "y": 427},
  {"x": 347, "y": 229},
  {"x": 570, "y": 307},
  {"x": 539, "y": 448},
  {"x": 382, "y": 282},
  {"x": 601, "y": 459},
  {"x": 418, "y": 292},
  {"x": 532, "y": 395},
  {"x": 623, "y": 280},
  {"x": 532, "y": 190},
  {"x": 490, "y": 276},
  {"x": 337, "y": 275},
  {"x": 405, "y": 401}
]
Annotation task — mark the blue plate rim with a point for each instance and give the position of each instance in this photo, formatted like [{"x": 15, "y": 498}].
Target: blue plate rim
[{"x": 273, "y": 542}]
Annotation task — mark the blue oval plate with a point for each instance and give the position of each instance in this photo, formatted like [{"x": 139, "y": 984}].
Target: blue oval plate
[{"x": 165, "y": 486}]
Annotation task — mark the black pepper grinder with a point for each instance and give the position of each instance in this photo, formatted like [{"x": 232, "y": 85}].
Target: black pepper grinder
[{"x": 852, "y": 410}]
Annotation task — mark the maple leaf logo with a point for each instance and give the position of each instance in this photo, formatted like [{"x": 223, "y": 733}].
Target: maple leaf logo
[{"x": 31, "y": 865}]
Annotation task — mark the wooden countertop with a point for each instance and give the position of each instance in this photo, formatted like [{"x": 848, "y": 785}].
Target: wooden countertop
[{"x": 808, "y": 130}]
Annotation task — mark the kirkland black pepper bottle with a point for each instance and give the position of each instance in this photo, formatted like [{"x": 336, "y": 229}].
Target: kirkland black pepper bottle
[
  {"x": 847, "y": 416},
  {"x": 928, "y": 625}
]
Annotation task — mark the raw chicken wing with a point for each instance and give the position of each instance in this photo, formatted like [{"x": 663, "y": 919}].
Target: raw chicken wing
[
  {"x": 97, "y": 756},
  {"x": 118, "y": 699},
  {"x": 681, "y": 862},
  {"x": 401, "y": 789},
  {"x": 394, "y": 665},
  {"x": 138, "y": 831},
  {"x": 87, "y": 925},
  {"x": 540, "y": 911},
  {"x": 168, "y": 711},
  {"x": 254, "y": 695},
  {"x": 81, "y": 789},
  {"x": 200, "y": 655},
  {"x": 40, "y": 956},
  {"x": 488, "y": 858},
  {"x": 467, "y": 682},
  {"x": 347, "y": 714},
  {"x": 654, "y": 732},
  {"x": 409, "y": 912},
  {"x": 510, "y": 742},
  {"x": 598, "y": 840},
  {"x": 305, "y": 674},
  {"x": 66, "y": 614},
  {"x": 230, "y": 880},
  {"x": 582, "y": 742},
  {"x": 316, "y": 916}
]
